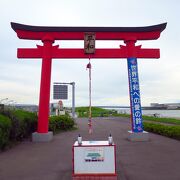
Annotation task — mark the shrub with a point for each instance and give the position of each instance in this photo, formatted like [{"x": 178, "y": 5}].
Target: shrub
[
  {"x": 63, "y": 122},
  {"x": 5, "y": 126},
  {"x": 169, "y": 131},
  {"x": 23, "y": 123},
  {"x": 15, "y": 125},
  {"x": 162, "y": 119}
]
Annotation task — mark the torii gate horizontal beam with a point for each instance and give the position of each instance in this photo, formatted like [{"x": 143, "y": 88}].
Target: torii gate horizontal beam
[
  {"x": 77, "y": 33},
  {"x": 79, "y": 53}
]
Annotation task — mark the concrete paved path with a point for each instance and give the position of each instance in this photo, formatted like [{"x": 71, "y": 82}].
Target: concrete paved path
[{"x": 158, "y": 159}]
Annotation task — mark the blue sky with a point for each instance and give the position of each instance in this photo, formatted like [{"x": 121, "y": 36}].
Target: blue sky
[{"x": 159, "y": 78}]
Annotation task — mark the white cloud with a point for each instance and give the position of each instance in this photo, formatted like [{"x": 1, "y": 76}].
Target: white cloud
[{"x": 159, "y": 79}]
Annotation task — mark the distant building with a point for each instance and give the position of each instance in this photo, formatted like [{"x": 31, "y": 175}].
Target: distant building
[
  {"x": 158, "y": 106},
  {"x": 27, "y": 107},
  {"x": 173, "y": 105},
  {"x": 165, "y": 106}
]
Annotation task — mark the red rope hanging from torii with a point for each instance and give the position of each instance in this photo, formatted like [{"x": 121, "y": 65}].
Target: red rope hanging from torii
[{"x": 90, "y": 110}]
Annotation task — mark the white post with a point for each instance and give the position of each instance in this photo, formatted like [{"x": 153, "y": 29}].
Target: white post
[{"x": 73, "y": 99}]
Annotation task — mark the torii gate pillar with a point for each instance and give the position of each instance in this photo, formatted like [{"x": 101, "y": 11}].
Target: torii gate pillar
[
  {"x": 45, "y": 86},
  {"x": 42, "y": 133}
]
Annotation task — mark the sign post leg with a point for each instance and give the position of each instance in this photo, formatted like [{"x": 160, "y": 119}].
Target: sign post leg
[{"x": 73, "y": 99}]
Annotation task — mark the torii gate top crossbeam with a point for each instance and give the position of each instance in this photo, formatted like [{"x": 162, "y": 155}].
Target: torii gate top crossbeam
[
  {"x": 49, "y": 34},
  {"x": 77, "y": 33}
]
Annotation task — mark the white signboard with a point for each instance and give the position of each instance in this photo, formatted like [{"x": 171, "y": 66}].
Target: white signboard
[{"x": 94, "y": 158}]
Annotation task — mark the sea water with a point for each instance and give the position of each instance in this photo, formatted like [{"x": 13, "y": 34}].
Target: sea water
[{"x": 159, "y": 113}]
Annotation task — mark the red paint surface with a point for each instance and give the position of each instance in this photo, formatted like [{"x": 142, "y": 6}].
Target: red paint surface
[
  {"x": 43, "y": 114},
  {"x": 100, "y": 53},
  {"x": 34, "y": 35},
  {"x": 94, "y": 177}
]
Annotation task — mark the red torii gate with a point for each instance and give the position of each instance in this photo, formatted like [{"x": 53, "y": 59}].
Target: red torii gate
[{"x": 49, "y": 34}]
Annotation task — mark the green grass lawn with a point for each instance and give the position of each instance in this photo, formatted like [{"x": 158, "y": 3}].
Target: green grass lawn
[
  {"x": 162, "y": 120},
  {"x": 96, "y": 112},
  {"x": 169, "y": 127}
]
